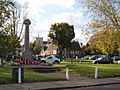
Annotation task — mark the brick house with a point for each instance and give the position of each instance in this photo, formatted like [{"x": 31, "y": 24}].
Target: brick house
[{"x": 74, "y": 51}]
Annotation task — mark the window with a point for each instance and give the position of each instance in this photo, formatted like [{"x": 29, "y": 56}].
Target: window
[{"x": 49, "y": 58}]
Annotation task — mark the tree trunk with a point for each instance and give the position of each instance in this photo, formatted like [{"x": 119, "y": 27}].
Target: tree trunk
[{"x": 60, "y": 54}]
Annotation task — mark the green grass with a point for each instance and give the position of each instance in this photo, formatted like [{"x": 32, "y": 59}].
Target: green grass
[
  {"x": 82, "y": 68},
  {"x": 29, "y": 76},
  {"x": 87, "y": 69},
  {"x": 5, "y": 75}
]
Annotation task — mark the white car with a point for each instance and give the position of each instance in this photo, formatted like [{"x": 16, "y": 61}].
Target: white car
[
  {"x": 119, "y": 62},
  {"x": 51, "y": 59}
]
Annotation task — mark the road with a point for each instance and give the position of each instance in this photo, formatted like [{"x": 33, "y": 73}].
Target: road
[{"x": 105, "y": 87}]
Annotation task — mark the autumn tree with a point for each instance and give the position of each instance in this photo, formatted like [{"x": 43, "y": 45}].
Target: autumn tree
[
  {"x": 61, "y": 34},
  {"x": 106, "y": 41},
  {"x": 105, "y": 22},
  {"x": 104, "y": 11}
]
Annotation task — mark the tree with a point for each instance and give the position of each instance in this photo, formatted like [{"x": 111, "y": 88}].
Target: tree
[
  {"x": 103, "y": 10},
  {"x": 106, "y": 41},
  {"x": 106, "y": 24},
  {"x": 3, "y": 48},
  {"x": 36, "y": 46},
  {"x": 5, "y": 11},
  {"x": 61, "y": 34},
  {"x": 10, "y": 17},
  {"x": 86, "y": 50}
]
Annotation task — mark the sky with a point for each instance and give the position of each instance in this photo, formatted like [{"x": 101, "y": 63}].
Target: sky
[{"x": 43, "y": 13}]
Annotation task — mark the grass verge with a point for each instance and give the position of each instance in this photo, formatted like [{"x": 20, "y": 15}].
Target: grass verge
[
  {"x": 87, "y": 69},
  {"x": 29, "y": 76}
]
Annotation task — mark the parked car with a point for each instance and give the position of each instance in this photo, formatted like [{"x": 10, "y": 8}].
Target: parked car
[
  {"x": 119, "y": 62},
  {"x": 103, "y": 60},
  {"x": 116, "y": 58},
  {"x": 94, "y": 57},
  {"x": 86, "y": 57},
  {"x": 50, "y": 58}
]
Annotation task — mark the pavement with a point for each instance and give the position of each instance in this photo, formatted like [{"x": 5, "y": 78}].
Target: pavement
[{"x": 74, "y": 82}]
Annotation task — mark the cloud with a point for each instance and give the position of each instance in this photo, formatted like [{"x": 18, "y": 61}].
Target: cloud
[
  {"x": 69, "y": 17},
  {"x": 41, "y": 3},
  {"x": 62, "y": 3},
  {"x": 72, "y": 18},
  {"x": 42, "y": 17}
]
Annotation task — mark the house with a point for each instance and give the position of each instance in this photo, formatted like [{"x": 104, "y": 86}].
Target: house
[
  {"x": 74, "y": 51},
  {"x": 51, "y": 50}
]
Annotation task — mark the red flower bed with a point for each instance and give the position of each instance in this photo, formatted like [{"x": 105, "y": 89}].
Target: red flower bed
[{"x": 26, "y": 62}]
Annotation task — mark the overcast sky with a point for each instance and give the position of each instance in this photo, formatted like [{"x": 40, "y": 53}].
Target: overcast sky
[{"x": 43, "y": 13}]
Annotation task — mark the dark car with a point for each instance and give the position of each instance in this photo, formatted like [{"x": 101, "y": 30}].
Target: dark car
[
  {"x": 103, "y": 60},
  {"x": 116, "y": 58}
]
